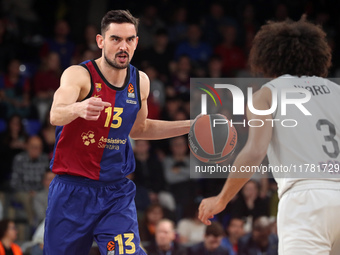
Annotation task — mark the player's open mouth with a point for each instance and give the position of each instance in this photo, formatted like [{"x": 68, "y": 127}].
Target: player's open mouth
[{"x": 122, "y": 57}]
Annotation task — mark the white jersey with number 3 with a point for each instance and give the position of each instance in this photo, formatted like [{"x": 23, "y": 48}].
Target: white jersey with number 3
[{"x": 305, "y": 143}]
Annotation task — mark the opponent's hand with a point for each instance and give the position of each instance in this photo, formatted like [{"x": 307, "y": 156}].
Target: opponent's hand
[
  {"x": 91, "y": 108},
  {"x": 208, "y": 208}
]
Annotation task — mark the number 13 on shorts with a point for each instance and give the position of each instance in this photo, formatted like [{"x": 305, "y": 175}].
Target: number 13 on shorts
[{"x": 125, "y": 244}]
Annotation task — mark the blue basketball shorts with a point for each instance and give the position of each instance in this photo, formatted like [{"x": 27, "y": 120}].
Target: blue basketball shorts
[{"x": 81, "y": 210}]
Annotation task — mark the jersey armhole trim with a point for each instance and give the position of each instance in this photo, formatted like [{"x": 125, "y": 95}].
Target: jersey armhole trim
[
  {"x": 271, "y": 86},
  {"x": 278, "y": 100},
  {"x": 138, "y": 89},
  {"x": 92, "y": 85}
]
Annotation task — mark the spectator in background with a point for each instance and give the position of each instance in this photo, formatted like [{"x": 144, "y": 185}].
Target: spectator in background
[
  {"x": 60, "y": 44},
  {"x": 181, "y": 72},
  {"x": 24, "y": 16},
  {"x": 249, "y": 26},
  {"x": 47, "y": 135},
  {"x": 178, "y": 27},
  {"x": 190, "y": 229},
  {"x": 159, "y": 55},
  {"x": 88, "y": 54},
  {"x": 165, "y": 243},
  {"x": 156, "y": 99},
  {"x": 149, "y": 173},
  {"x": 8, "y": 45},
  {"x": 45, "y": 83},
  {"x": 181, "y": 114},
  {"x": 27, "y": 175},
  {"x": 215, "y": 67},
  {"x": 149, "y": 24},
  {"x": 15, "y": 90},
  {"x": 172, "y": 106},
  {"x": 38, "y": 240},
  {"x": 281, "y": 12},
  {"x": 212, "y": 242},
  {"x": 197, "y": 50},
  {"x": 89, "y": 44},
  {"x": 235, "y": 230},
  {"x": 12, "y": 142},
  {"x": 8, "y": 234},
  {"x": 213, "y": 22},
  {"x": 177, "y": 174},
  {"x": 260, "y": 240},
  {"x": 40, "y": 199},
  {"x": 233, "y": 57},
  {"x": 250, "y": 204},
  {"x": 147, "y": 227}
]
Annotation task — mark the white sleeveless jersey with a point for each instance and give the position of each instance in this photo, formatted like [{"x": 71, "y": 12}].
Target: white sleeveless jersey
[{"x": 309, "y": 151}]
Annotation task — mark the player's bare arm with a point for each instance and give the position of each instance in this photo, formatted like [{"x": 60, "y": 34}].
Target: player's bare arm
[
  {"x": 148, "y": 129},
  {"x": 252, "y": 154},
  {"x": 67, "y": 102}
]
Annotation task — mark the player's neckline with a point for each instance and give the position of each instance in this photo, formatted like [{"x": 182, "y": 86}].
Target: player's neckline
[{"x": 126, "y": 82}]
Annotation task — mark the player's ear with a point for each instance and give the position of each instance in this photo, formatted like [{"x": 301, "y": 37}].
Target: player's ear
[
  {"x": 137, "y": 38},
  {"x": 100, "y": 41}
]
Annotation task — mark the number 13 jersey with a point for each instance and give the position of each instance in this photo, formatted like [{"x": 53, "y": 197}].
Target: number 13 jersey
[{"x": 100, "y": 150}]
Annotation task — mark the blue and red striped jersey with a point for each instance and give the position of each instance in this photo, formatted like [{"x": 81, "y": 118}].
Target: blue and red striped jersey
[{"x": 100, "y": 150}]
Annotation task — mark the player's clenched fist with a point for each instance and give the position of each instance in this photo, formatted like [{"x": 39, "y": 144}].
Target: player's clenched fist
[{"x": 91, "y": 108}]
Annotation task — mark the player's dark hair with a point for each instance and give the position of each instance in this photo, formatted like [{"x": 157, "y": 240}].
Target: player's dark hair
[
  {"x": 4, "y": 227},
  {"x": 119, "y": 17},
  {"x": 288, "y": 47}
]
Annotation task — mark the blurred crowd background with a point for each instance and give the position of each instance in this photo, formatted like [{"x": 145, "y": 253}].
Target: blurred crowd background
[{"x": 177, "y": 40}]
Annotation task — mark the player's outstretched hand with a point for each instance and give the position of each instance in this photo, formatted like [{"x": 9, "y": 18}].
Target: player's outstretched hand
[
  {"x": 208, "y": 208},
  {"x": 91, "y": 108}
]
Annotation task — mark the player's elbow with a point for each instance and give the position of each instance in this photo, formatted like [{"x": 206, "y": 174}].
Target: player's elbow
[
  {"x": 138, "y": 132},
  {"x": 136, "y": 135},
  {"x": 53, "y": 119}
]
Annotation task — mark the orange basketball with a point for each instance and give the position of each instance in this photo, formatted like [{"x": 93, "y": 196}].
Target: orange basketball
[{"x": 212, "y": 139}]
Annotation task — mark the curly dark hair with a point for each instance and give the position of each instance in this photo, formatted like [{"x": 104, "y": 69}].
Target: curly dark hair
[{"x": 288, "y": 47}]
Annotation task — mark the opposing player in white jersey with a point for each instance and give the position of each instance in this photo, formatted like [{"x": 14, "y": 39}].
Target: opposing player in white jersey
[{"x": 296, "y": 55}]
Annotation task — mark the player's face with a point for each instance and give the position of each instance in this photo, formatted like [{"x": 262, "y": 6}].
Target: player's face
[{"x": 118, "y": 44}]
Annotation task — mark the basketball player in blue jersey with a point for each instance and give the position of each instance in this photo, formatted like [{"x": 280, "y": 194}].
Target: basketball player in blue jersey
[
  {"x": 297, "y": 55},
  {"x": 97, "y": 106}
]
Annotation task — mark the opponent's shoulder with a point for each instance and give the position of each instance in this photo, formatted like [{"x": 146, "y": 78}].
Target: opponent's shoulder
[
  {"x": 75, "y": 74},
  {"x": 262, "y": 98},
  {"x": 144, "y": 84}
]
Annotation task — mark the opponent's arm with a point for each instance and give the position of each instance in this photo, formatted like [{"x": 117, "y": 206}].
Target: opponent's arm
[
  {"x": 74, "y": 86},
  {"x": 252, "y": 154},
  {"x": 148, "y": 129}
]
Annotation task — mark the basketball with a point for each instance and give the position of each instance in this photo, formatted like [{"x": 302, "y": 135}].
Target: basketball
[{"x": 212, "y": 139}]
